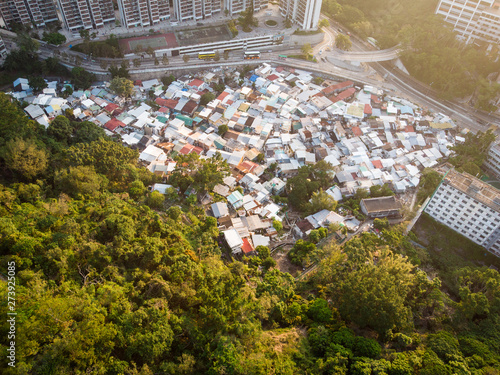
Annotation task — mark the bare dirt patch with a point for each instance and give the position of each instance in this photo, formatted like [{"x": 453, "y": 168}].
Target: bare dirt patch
[
  {"x": 283, "y": 263},
  {"x": 283, "y": 338}
]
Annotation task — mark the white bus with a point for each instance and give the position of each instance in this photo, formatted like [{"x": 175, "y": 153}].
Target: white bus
[{"x": 250, "y": 55}]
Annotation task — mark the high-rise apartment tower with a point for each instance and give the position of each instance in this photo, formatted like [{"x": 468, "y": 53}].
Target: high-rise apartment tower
[
  {"x": 86, "y": 14},
  {"x": 143, "y": 12},
  {"x": 304, "y": 13},
  {"x": 492, "y": 162},
  {"x": 473, "y": 20},
  {"x": 36, "y": 12},
  {"x": 235, "y": 7},
  {"x": 469, "y": 206},
  {"x": 3, "y": 49}
]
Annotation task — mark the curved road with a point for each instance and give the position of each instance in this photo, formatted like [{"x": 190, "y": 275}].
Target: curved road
[{"x": 392, "y": 80}]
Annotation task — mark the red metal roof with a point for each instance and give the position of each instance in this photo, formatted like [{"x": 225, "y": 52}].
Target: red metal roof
[
  {"x": 246, "y": 247},
  {"x": 222, "y": 95},
  {"x": 272, "y": 77},
  {"x": 409, "y": 129},
  {"x": 247, "y": 166},
  {"x": 190, "y": 107},
  {"x": 196, "y": 83},
  {"x": 356, "y": 131},
  {"x": 112, "y": 124},
  {"x": 163, "y": 109},
  {"x": 377, "y": 164},
  {"x": 111, "y": 107},
  {"x": 334, "y": 88},
  {"x": 343, "y": 95},
  {"x": 169, "y": 103},
  {"x": 368, "y": 109},
  {"x": 187, "y": 149}
]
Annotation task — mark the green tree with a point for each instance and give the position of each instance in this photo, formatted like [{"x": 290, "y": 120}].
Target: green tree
[
  {"x": 85, "y": 35},
  {"x": 444, "y": 344},
  {"x": 37, "y": 83},
  {"x": 122, "y": 71},
  {"x": 137, "y": 189},
  {"x": 81, "y": 78},
  {"x": 263, "y": 252},
  {"x": 331, "y": 7},
  {"x": 371, "y": 294},
  {"x": 222, "y": 130},
  {"x": 319, "y": 311},
  {"x": 185, "y": 58},
  {"x": 25, "y": 157},
  {"x": 60, "y": 129},
  {"x": 86, "y": 132},
  {"x": 174, "y": 212},
  {"x": 247, "y": 20},
  {"x": 321, "y": 200},
  {"x": 429, "y": 182},
  {"x": 137, "y": 62},
  {"x": 278, "y": 225},
  {"x": 164, "y": 60},
  {"x": 25, "y": 43},
  {"x": 301, "y": 252},
  {"x": 155, "y": 200},
  {"x": 108, "y": 158},
  {"x": 381, "y": 223},
  {"x": 68, "y": 90},
  {"x": 150, "y": 51},
  {"x": 365, "y": 347},
  {"x": 54, "y": 38},
  {"x": 314, "y": 236},
  {"x": 122, "y": 86},
  {"x": 79, "y": 180},
  {"x": 167, "y": 80},
  {"x": 472, "y": 168},
  {"x": 323, "y": 23},
  {"x": 307, "y": 49},
  {"x": 206, "y": 98},
  {"x": 380, "y": 191},
  {"x": 343, "y": 42},
  {"x": 479, "y": 292},
  {"x": 486, "y": 94}
]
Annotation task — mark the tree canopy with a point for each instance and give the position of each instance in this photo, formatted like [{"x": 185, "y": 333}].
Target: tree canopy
[
  {"x": 122, "y": 86},
  {"x": 112, "y": 278}
]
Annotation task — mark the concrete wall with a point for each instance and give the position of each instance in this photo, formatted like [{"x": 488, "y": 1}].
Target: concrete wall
[{"x": 300, "y": 40}]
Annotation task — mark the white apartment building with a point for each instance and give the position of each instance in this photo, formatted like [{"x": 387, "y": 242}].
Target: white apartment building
[
  {"x": 36, "y": 12},
  {"x": 492, "y": 163},
  {"x": 469, "y": 206},
  {"x": 188, "y": 10},
  {"x": 3, "y": 49},
  {"x": 82, "y": 14},
  {"x": 211, "y": 7},
  {"x": 143, "y": 12},
  {"x": 304, "y": 13},
  {"x": 235, "y": 7},
  {"x": 473, "y": 20}
]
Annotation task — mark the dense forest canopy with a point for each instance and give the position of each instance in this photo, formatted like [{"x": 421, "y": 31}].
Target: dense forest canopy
[{"x": 111, "y": 281}]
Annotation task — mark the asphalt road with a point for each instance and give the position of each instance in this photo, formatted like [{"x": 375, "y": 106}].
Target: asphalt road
[{"x": 392, "y": 80}]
